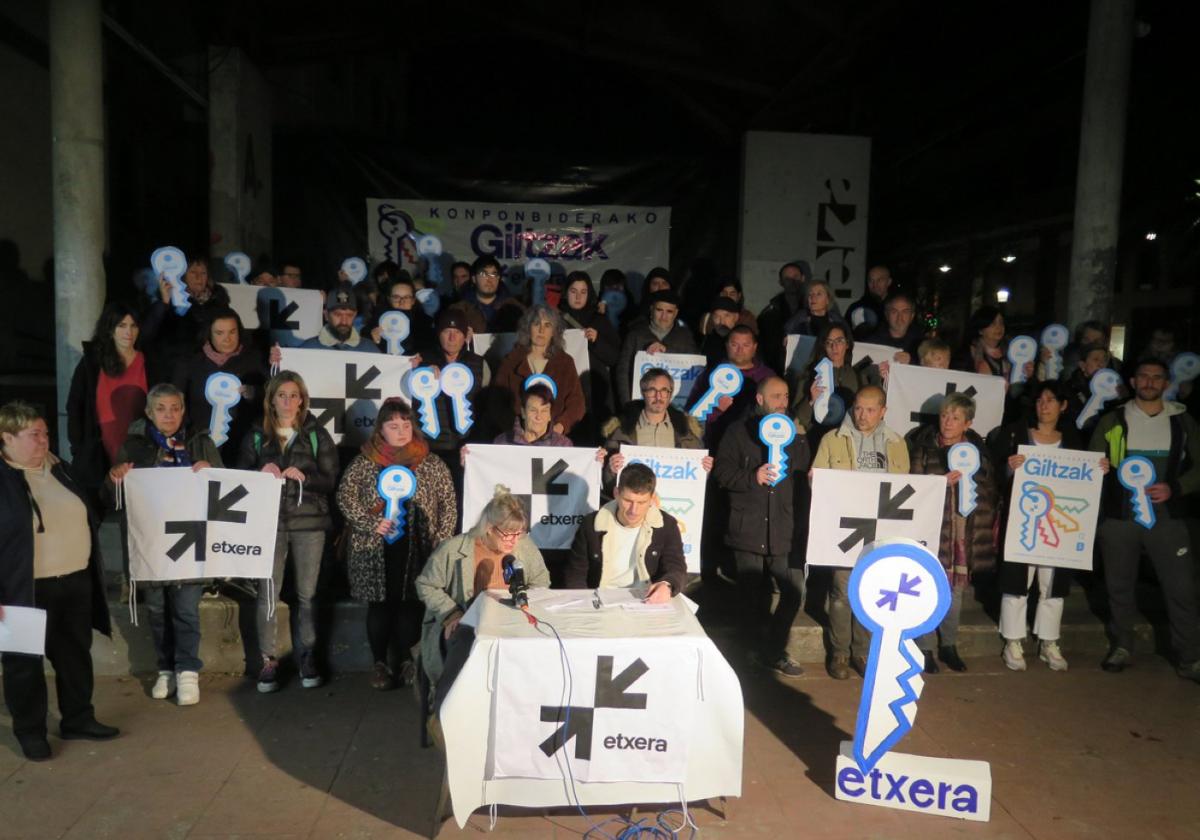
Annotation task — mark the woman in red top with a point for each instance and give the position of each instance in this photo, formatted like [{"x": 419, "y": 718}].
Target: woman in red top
[{"x": 108, "y": 392}]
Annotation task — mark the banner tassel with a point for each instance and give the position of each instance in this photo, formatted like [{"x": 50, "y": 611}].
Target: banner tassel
[
  {"x": 133, "y": 602},
  {"x": 270, "y": 598}
]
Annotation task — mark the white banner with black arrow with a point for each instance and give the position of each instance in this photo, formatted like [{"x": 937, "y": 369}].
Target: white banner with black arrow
[
  {"x": 289, "y": 315},
  {"x": 213, "y": 523},
  {"x": 915, "y": 395},
  {"x": 557, "y": 485},
  {"x": 345, "y": 389},
  {"x": 851, "y": 510},
  {"x": 626, "y": 716}
]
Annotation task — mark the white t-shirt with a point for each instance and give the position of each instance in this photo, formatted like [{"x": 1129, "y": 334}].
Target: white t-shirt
[{"x": 620, "y": 570}]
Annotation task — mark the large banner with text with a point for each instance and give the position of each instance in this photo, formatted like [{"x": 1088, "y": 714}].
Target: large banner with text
[
  {"x": 680, "y": 480},
  {"x": 1054, "y": 507}
]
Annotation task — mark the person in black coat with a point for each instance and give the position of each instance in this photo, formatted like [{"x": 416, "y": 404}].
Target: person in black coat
[
  {"x": 629, "y": 542},
  {"x": 181, "y": 333},
  {"x": 226, "y": 350},
  {"x": 50, "y": 560},
  {"x": 761, "y": 519},
  {"x": 580, "y": 310}
]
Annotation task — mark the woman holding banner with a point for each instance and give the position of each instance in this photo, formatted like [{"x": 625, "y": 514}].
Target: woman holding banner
[
  {"x": 291, "y": 445},
  {"x": 157, "y": 440},
  {"x": 49, "y": 560},
  {"x": 1048, "y": 426},
  {"x": 384, "y": 558},
  {"x": 540, "y": 349}
]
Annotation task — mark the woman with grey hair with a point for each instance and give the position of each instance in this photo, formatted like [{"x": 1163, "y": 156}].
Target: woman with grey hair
[
  {"x": 461, "y": 568},
  {"x": 540, "y": 350}
]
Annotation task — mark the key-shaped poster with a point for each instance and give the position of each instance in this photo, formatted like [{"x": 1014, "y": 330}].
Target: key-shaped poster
[
  {"x": 424, "y": 385},
  {"x": 776, "y": 431},
  {"x": 430, "y": 247},
  {"x": 396, "y": 485},
  {"x": 964, "y": 457},
  {"x": 457, "y": 382},
  {"x": 238, "y": 263},
  {"x": 223, "y": 391},
  {"x": 1184, "y": 368},
  {"x": 724, "y": 381},
  {"x": 540, "y": 379},
  {"x": 1136, "y": 473},
  {"x": 394, "y": 327},
  {"x": 355, "y": 269},
  {"x": 170, "y": 264},
  {"x": 1034, "y": 506},
  {"x": 1105, "y": 386},
  {"x": 823, "y": 405},
  {"x": 1054, "y": 339},
  {"x": 899, "y": 591},
  {"x": 1021, "y": 351}
]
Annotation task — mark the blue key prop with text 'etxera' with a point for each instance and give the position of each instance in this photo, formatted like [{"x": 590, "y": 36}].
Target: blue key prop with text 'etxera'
[{"x": 396, "y": 486}]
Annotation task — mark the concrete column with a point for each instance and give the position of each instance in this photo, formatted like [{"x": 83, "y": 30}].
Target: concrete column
[
  {"x": 1101, "y": 161},
  {"x": 77, "y": 168}
]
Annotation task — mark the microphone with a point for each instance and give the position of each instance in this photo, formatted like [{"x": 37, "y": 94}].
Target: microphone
[{"x": 514, "y": 576}]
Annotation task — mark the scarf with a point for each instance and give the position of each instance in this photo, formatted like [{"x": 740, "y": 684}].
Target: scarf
[
  {"x": 219, "y": 359},
  {"x": 173, "y": 451},
  {"x": 410, "y": 455}
]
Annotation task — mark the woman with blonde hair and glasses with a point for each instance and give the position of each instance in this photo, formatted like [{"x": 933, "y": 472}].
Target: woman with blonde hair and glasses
[
  {"x": 461, "y": 568},
  {"x": 291, "y": 445}
]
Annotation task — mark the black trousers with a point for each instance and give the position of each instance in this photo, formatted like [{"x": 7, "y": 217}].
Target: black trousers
[
  {"x": 67, "y": 601},
  {"x": 754, "y": 573}
]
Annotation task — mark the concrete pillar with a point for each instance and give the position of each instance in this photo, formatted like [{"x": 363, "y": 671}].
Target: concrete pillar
[
  {"x": 77, "y": 168},
  {"x": 1101, "y": 161}
]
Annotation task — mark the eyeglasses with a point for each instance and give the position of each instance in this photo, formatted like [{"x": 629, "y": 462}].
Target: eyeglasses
[
  {"x": 495, "y": 275},
  {"x": 649, "y": 391},
  {"x": 508, "y": 536},
  {"x": 402, "y": 298},
  {"x": 834, "y": 342}
]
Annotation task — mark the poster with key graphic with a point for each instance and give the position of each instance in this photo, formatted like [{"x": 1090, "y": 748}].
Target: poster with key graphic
[{"x": 1053, "y": 508}]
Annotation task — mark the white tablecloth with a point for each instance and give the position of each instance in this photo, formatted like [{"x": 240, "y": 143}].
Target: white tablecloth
[{"x": 714, "y": 765}]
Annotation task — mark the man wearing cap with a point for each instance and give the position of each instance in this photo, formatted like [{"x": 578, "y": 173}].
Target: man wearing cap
[
  {"x": 339, "y": 332},
  {"x": 662, "y": 333},
  {"x": 452, "y": 332},
  {"x": 723, "y": 316},
  {"x": 793, "y": 277}
]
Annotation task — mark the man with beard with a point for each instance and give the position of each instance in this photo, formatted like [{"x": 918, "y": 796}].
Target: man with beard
[
  {"x": 1169, "y": 437},
  {"x": 339, "y": 332},
  {"x": 741, "y": 351}
]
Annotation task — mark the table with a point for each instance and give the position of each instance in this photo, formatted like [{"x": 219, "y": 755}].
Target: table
[{"x": 468, "y": 714}]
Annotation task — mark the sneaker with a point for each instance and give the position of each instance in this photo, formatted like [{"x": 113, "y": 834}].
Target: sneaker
[
  {"x": 268, "y": 677},
  {"x": 1190, "y": 671},
  {"x": 164, "y": 686},
  {"x": 839, "y": 666},
  {"x": 1117, "y": 660},
  {"x": 381, "y": 678},
  {"x": 188, "y": 693},
  {"x": 783, "y": 665},
  {"x": 931, "y": 666},
  {"x": 859, "y": 664},
  {"x": 949, "y": 655},
  {"x": 310, "y": 677},
  {"x": 1014, "y": 655},
  {"x": 1052, "y": 656},
  {"x": 408, "y": 673}
]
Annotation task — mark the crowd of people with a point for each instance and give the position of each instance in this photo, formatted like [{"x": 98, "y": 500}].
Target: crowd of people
[{"x": 137, "y": 401}]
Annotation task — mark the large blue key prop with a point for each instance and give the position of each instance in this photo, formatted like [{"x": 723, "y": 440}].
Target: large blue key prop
[
  {"x": 776, "y": 431},
  {"x": 424, "y": 385},
  {"x": 457, "y": 382},
  {"x": 1105, "y": 386},
  {"x": 964, "y": 457},
  {"x": 540, "y": 379},
  {"x": 222, "y": 391},
  {"x": 355, "y": 269},
  {"x": 1184, "y": 368},
  {"x": 238, "y": 262},
  {"x": 899, "y": 591},
  {"x": 1136, "y": 473},
  {"x": 396, "y": 485},
  {"x": 394, "y": 326},
  {"x": 1054, "y": 338},
  {"x": 1021, "y": 351},
  {"x": 724, "y": 381},
  {"x": 170, "y": 264}
]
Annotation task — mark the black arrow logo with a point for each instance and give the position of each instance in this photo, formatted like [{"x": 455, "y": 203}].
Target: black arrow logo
[
  {"x": 576, "y": 722},
  {"x": 328, "y": 408},
  {"x": 541, "y": 481},
  {"x": 278, "y": 314},
  {"x": 863, "y": 528},
  {"x": 864, "y": 531},
  {"x": 889, "y": 505},
  {"x": 219, "y": 507},
  {"x": 193, "y": 534},
  {"x": 924, "y": 417},
  {"x": 356, "y": 386},
  {"x": 610, "y": 692}
]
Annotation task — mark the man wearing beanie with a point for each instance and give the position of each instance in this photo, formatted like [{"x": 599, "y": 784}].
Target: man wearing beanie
[{"x": 662, "y": 333}]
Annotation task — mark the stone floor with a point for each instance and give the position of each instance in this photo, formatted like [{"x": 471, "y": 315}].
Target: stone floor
[{"x": 1083, "y": 754}]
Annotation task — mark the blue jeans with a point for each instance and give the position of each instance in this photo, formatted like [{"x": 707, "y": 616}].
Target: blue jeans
[
  {"x": 174, "y": 611},
  {"x": 306, "y": 549}
]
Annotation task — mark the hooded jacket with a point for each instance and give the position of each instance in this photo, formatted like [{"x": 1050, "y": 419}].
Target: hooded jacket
[
  {"x": 1111, "y": 436},
  {"x": 658, "y": 549},
  {"x": 602, "y": 353},
  {"x": 836, "y": 449}
]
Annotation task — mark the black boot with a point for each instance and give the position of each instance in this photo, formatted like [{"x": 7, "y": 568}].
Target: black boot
[
  {"x": 949, "y": 655},
  {"x": 931, "y": 666}
]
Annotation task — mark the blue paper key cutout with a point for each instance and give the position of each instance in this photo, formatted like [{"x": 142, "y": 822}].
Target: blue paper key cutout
[
  {"x": 457, "y": 382},
  {"x": 1054, "y": 338},
  {"x": 424, "y": 385},
  {"x": 540, "y": 379},
  {"x": 1136, "y": 473},
  {"x": 394, "y": 326},
  {"x": 396, "y": 485},
  {"x": 1021, "y": 351},
  {"x": 1033, "y": 504},
  {"x": 964, "y": 457},
  {"x": 239, "y": 263},
  {"x": 1105, "y": 385},
  {"x": 724, "y": 381},
  {"x": 1185, "y": 367},
  {"x": 899, "y": 591},
  {"x": 169, "y": 263},
  {"x": 776, "y": 431},
  {"x": 222, "y": 391}
]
